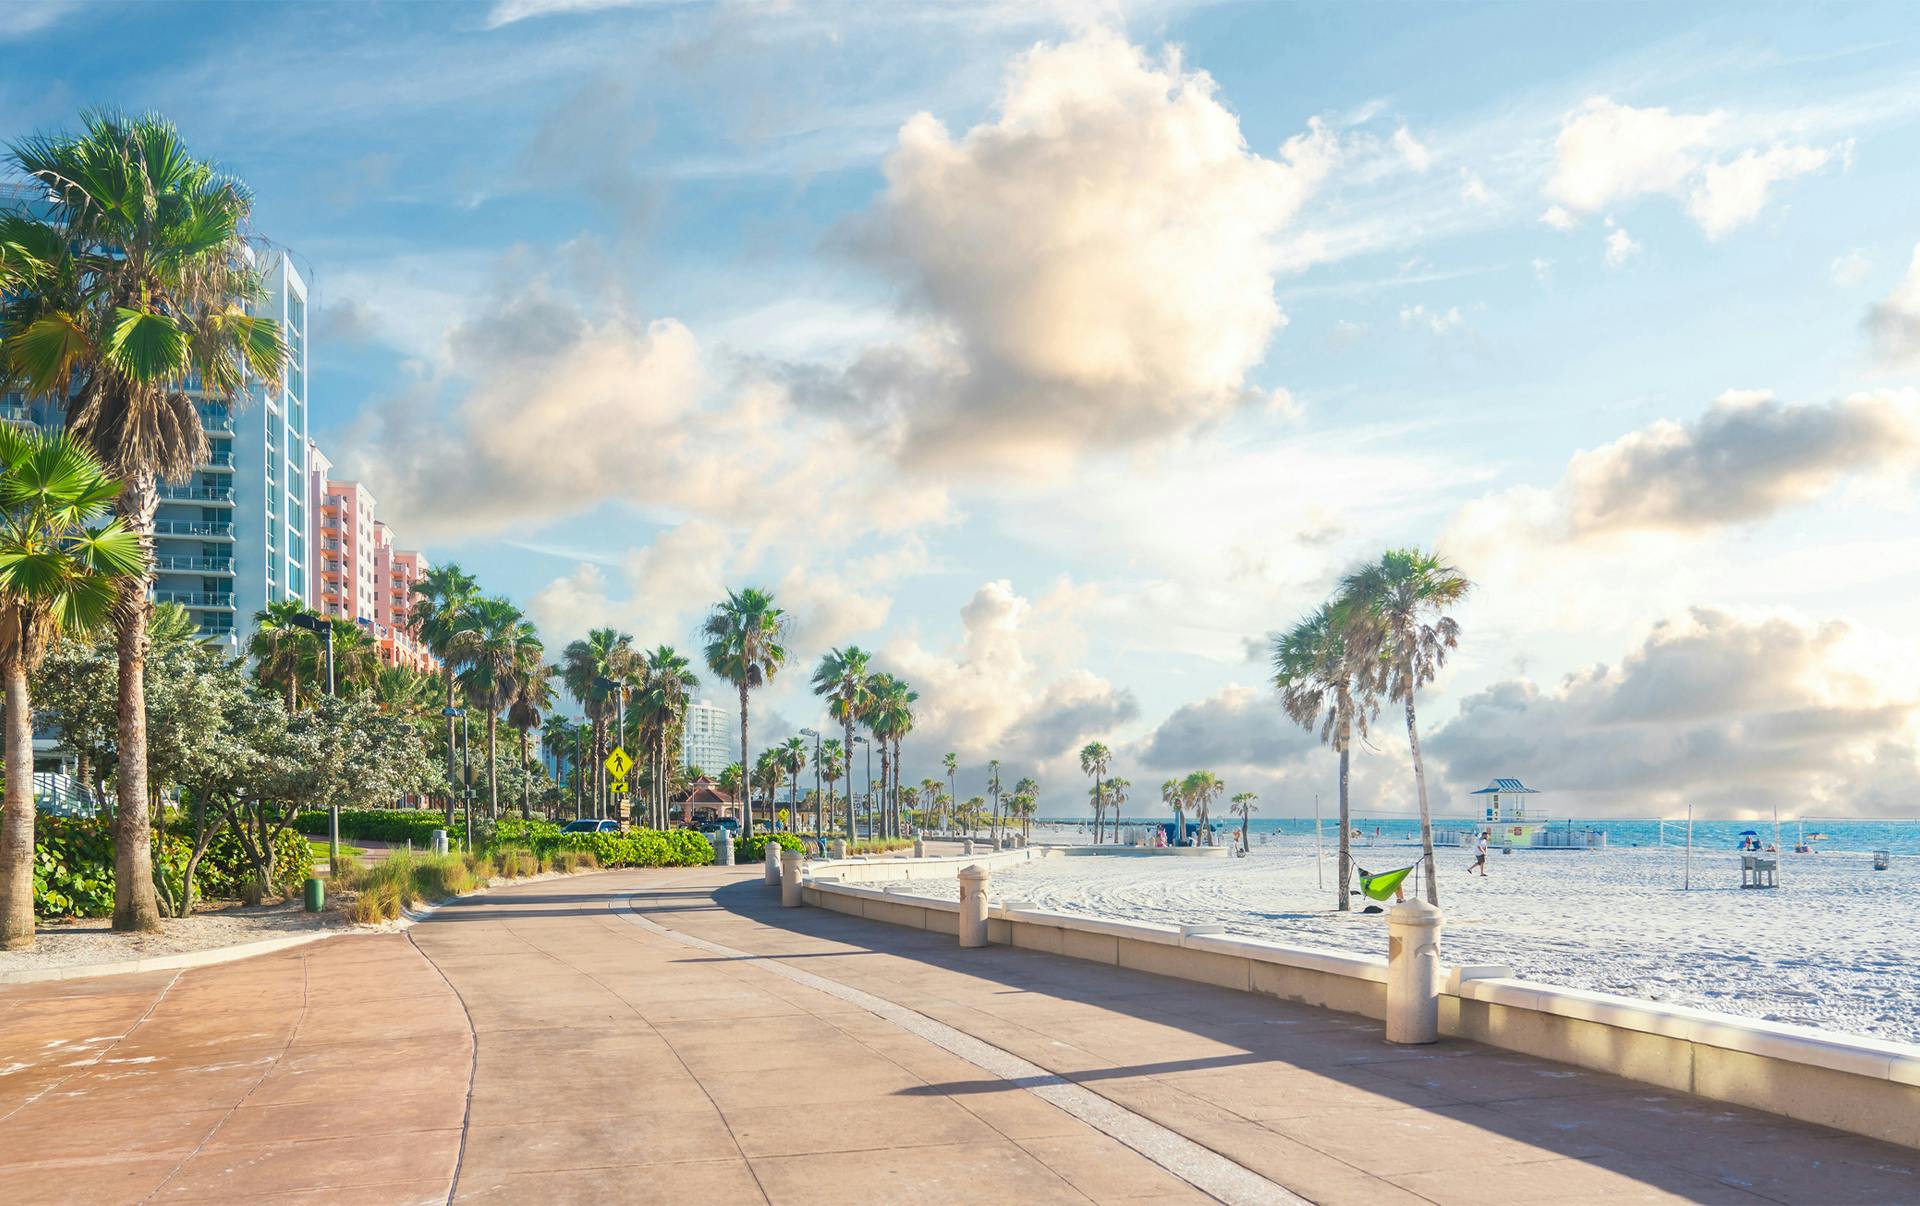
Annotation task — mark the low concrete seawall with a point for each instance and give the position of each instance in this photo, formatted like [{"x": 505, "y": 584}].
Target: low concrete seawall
[
  {"x": 1866, "y": 1086},
  {"x": 887, "y": 869}
]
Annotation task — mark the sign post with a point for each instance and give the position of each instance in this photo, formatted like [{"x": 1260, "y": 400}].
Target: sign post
[{"x": 619, "y": 762}]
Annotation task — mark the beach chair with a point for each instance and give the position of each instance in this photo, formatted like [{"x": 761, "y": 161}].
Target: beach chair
[{"x": 1757, "y": 872}]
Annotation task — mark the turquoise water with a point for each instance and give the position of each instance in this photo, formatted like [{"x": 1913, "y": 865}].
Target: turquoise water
[{"x": 1900, "y": 837}]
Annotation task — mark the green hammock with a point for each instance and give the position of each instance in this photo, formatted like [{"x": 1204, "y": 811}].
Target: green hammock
[{"x": 1381, "y": 886}]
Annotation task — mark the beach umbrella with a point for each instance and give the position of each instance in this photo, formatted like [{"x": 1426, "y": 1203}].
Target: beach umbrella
[{"x": 1749, "y": 833}]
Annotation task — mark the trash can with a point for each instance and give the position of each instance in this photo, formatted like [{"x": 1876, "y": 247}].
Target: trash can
[{"x": 316, "y": 894}]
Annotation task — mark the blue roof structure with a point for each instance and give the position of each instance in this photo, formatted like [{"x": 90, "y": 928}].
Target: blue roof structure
[{"x": 1505, "y": 787}]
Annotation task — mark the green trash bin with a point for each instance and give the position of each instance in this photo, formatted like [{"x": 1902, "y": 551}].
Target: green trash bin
[{"x": 316, "y": 894}]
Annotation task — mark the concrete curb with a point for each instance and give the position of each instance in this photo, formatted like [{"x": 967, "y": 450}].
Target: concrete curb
[{"x": 247, "y": 950}]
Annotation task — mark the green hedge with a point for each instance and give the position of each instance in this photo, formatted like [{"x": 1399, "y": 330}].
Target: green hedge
[
  {"x": 385, "y": 824},
  {"x": 643, "y": 847},
  {"x": 754, "y": 849},
  {"x": 73, "y": 865},
  {"x": 540, "y": 836}
]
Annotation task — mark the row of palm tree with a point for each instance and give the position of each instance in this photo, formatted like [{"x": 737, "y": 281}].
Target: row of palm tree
[
  {"x": 1384, "y": 634},
  {"x": 882, "y": 704}
]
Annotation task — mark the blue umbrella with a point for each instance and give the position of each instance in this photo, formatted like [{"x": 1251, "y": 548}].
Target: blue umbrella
[{"x": 1749, "y": 833}]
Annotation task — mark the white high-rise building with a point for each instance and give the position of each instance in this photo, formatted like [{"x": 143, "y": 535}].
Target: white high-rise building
[{"x": 712, "y": 737}]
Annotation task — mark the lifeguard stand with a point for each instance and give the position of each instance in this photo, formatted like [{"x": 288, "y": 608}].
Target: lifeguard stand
[{"x": 1505, "y": 813}]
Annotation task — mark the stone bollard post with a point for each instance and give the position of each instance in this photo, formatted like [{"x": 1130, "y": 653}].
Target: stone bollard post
[
  {"x": 973, "y": 906},
  {"x": 1413, "y": 973},
  {"x": 919, "y": 847},
  {"x": 723, "y": 849},
  {"x": 966, "y": 845},
  {"x": 789, "y": 879},
  {"x": 839, "y": 847},
  {"x": 773, "y": 861},
  {"x": 439, "y": 841}
]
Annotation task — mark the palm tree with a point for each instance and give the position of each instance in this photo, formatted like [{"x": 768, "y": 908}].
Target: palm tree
[
  {"x": 930, "y": 792},
  {"x": 1202, "y": 788},
  {"x": 560, "y": 741},
  {"x": 1025, "y": 793},
  {"x": 993, "y": 789},
  {"x": 133, "y": 307},
  {"x": 1117, "y": 795},
  {"x": 833, "y": 763},
  {"x": 356, "y": 658},
  {"x": 1318, "y": 677},
  {"x": 442, "y": 597},
  {"x": 279, "y": 649},
  {"x": 587, "y": 667},
  {"x": 1094, "y": 760},
  {"x": 793, "y": 755},
  {"x": 843, "y": 678},
  {"x": 531, "y": 699},
  {"x": 1398, "y": 621},
  {"x": 744, "y": 634},
  {"x": 951, "y": 762},
  {"x": 666, "y": 684},
  {"x": 1170, "y": 795},
  {"x": 769, "y": 772},
  {"x": 1243, "y": 806},
  {"x": 890, "y": 720},
  {"x": 505, "y": 651},
  {"x": 57, "y": 574}
]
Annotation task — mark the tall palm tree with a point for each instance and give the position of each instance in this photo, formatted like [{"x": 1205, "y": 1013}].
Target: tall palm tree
[
  {"x": 1319, "y": 679},
  {"x": 843, "y": 677},
  {"x": 1025, "y": 795},
  {"x": 559, "y": 739},
  {"x": 1397, "y": 614},
  {"x": 1243, "y": 806},
  {"x": 1172, "y": 795},
  {"x": 889, "y": 720},
  {"x": 532, "y": 696},
  {"x": 587, "y": 667},
  {"x": 279, "y": 649},
  {"x": 506, "y": 652},
  {"x": 930, "y": 792},
  {"x": 58, "y": 573},
  {"x": 134, "y": 306},
  {"x": 833, "y": 764},
  {"x": 951, "y": 761},
  {"x": 1202, "y": 788},
  {"x": 793, "y": 755},
  {"x": 1116, "y": 797},
  {"x": 356, "y": 658},
  {"x": 438, "y": 617},
  {"x": 744, "y": 635},
  {"x": 993, "y": 789},
  {"x": 1095, "y": 758},
  {"x": 666, "y": 685}
]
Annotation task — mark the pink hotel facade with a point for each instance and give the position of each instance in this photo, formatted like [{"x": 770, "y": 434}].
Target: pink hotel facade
[{"x": 358, "y": 572}]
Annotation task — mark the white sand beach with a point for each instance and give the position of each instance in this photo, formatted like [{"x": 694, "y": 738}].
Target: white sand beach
[{"x": 1837, "y": 945}]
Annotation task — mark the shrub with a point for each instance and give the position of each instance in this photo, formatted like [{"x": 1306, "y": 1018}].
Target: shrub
[
  {"x": 384, "y": 824},
  {"x": 643, "y": 848},
  {"x": 537, "y": 835},
  {"x": 73, "y": 866},
  {"x": 438, "y": 876},
  {"x": 880, "y": 845},
  {"x": 754, "y": 849}
]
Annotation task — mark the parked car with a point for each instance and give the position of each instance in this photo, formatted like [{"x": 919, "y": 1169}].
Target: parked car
[{"x": 591, "y": 826}]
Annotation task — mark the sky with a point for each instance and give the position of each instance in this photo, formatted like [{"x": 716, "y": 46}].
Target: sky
[{"x": 1059, "y": 352}]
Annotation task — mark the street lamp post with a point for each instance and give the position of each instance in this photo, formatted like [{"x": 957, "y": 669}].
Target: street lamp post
[
  {"x": 466, "y": 775},
  {"x": 869, "y": 795},
  {"x": 619, "y": 688},
  {"x": 819, "y": 828}
]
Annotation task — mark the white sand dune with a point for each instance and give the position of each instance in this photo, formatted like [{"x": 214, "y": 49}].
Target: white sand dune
[{"x": 1837, "y": 945}]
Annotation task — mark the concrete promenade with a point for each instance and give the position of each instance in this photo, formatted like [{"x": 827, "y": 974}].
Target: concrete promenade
[{"x": 673, "y": 1036}]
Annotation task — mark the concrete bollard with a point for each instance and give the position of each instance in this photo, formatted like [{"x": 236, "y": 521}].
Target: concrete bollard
[
  {"x": 973, "y": 906},
  {"x": 1413, "y": 973},
  {"x": 839, "y": 847},
  {"x": 919, "y": 847},
  {"x": 790, "y": 879},
  {"x": 773, "y": 861},
  {"x": 966, "y": 845},
  {"x": 723, "y": 848},
  {"x": 439, "y": 841}
]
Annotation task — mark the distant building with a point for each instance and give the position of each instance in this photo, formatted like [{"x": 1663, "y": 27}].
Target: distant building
[
  {"x": 712, "y": 737},
  {"x": 358, "y": 573}
]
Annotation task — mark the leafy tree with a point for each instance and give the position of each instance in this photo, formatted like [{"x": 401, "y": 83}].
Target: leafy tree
[
  {"x": 744, "y": 635},
  {"x": 1399, "y": 626},
  {"x": 60, "y": 569},
  {"x": 139, "y": 283}
]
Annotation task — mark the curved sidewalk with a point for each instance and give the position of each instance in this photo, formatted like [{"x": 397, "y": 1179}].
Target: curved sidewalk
[{"x": 675, "y": 1037}]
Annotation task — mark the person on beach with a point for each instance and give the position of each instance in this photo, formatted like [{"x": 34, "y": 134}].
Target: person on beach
[{"x": 1480, "y": 855}]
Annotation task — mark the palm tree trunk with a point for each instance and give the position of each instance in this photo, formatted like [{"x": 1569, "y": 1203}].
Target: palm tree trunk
[
  {"x": 135, "y": 905},
  {"x": 1346, "y": 834},
  {"x": 493, "y": 767},
  {"x": 1099, "y": 808},
  {"x": 526, "y": 811},
  {"x": 851, "y": 831},
  {"x": 1426, "y": 819},
  {"x": 746, "y": 767},
  {"x": 16, "y": 822},
  {"x": 453, "y": 774}
]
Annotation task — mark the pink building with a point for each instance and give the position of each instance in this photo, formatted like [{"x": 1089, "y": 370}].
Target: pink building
[{"x": 358, "y": 574}]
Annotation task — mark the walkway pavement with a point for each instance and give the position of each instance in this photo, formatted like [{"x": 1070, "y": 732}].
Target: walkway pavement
[{"x": 672, "y": 1036}]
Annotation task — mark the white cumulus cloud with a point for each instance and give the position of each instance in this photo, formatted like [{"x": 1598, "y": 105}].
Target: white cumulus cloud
[{"x": 1894, "y": 322}]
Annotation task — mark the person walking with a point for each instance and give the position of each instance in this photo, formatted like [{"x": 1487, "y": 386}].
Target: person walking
[{"x": 1480, "y": 855}]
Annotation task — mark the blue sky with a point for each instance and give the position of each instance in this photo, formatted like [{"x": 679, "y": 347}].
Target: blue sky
[{"x": 1058, "y": 352}]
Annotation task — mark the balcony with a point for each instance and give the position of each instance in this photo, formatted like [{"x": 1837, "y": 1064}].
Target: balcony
[
  {"x": 195, "y": 598},
  {"x": 214, "y": 417},
  {"x": 206, "y": 494},
  {"x": 209, "y": 565},
  {"x": 218, "y": 460},
  {"x": 203, "y": 529},
  {"x": 333, "y": 545}
]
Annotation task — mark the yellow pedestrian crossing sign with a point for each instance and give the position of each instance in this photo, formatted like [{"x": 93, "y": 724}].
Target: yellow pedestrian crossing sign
[{"x": 618, "y": 763}]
